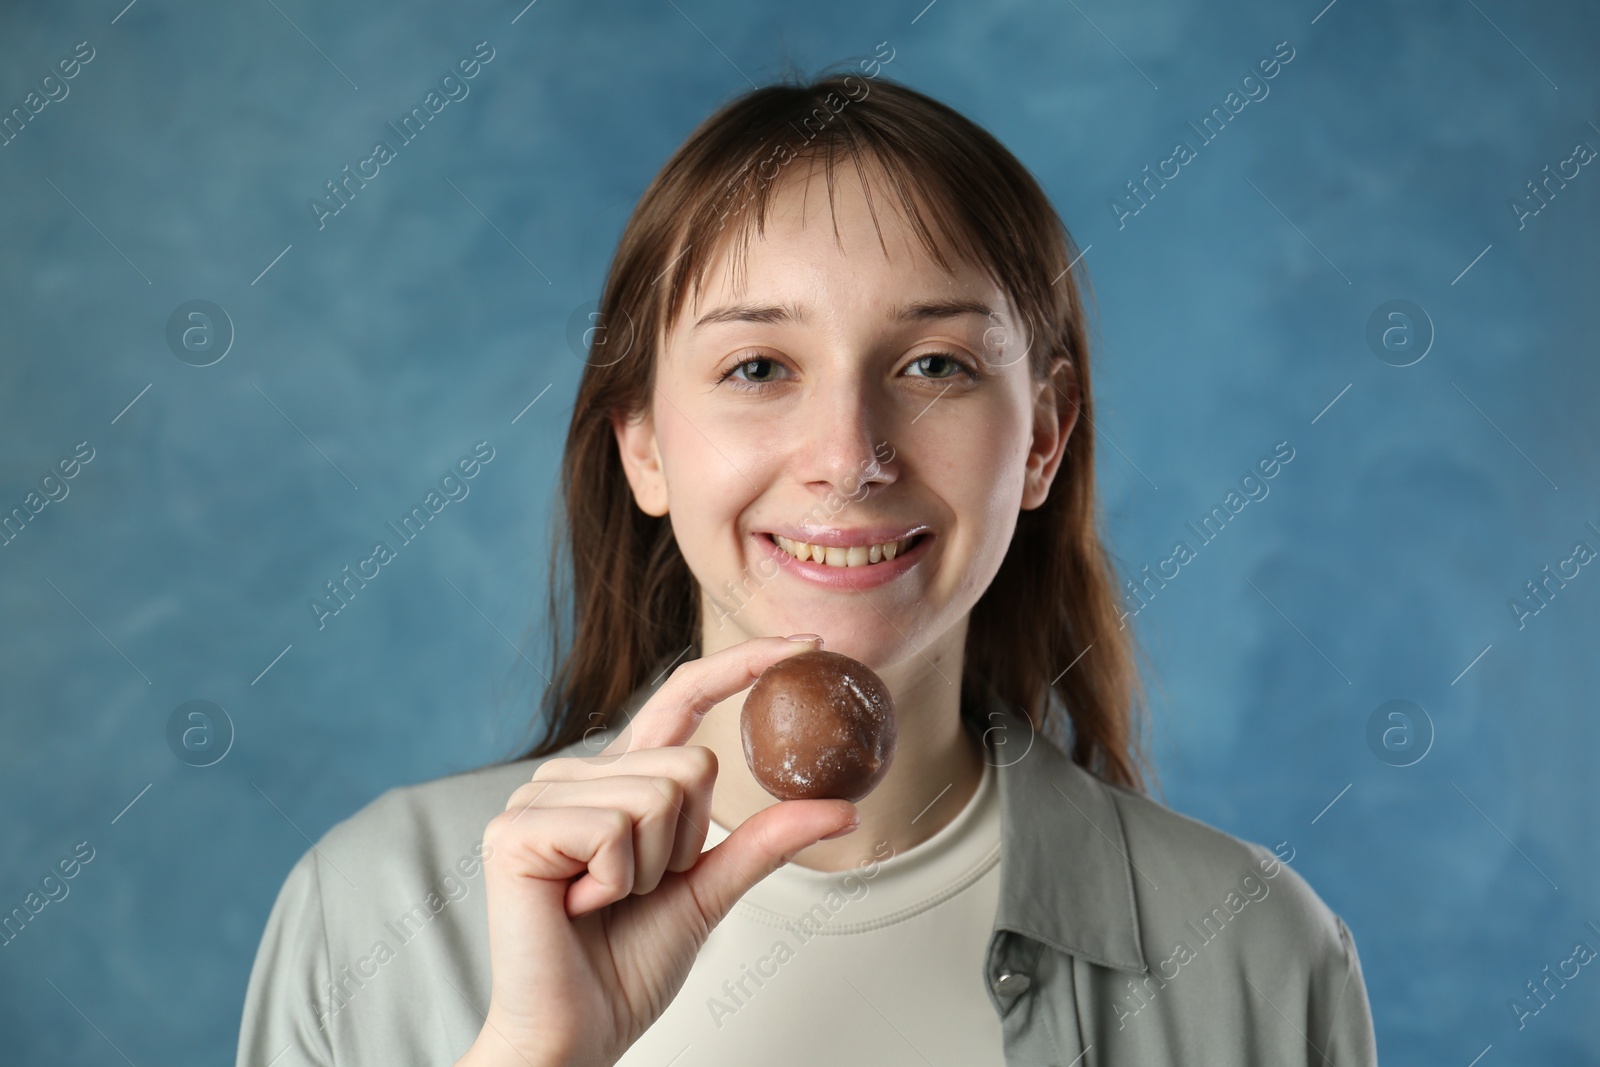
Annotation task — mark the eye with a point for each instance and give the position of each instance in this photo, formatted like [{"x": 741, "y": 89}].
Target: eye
[
  {"x": 942, "y": 361},
  {"x": 761, "y": 374},
  {"x": 756, "y": 380}
]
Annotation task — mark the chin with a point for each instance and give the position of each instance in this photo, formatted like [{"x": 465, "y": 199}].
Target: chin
[{"x": 873, "y": 642}]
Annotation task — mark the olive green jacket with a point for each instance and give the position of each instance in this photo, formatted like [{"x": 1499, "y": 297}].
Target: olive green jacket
[{"x": 1126, "y": 934}]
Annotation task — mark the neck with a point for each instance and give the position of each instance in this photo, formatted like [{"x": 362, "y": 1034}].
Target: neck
[{"x": 936, "y": 769}]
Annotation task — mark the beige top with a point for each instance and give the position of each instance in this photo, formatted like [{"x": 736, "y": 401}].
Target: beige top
[
  {"x": 873, "y": 965},
  {"x": 1122, "y": 934}
]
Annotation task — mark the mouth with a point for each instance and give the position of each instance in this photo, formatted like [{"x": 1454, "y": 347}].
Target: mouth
[{"x": 845, "y": 557}]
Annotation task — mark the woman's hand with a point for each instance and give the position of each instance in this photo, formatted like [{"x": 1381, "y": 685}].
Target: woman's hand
[{"x": 583, "y": 965}]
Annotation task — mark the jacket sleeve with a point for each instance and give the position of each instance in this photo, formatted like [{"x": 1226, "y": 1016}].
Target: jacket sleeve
[
  {"x": 1340, "y": 1010},
  {"x": 282, "y": 1022}
]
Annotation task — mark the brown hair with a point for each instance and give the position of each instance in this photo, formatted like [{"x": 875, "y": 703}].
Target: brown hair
[{"x": 634, "y": 602}]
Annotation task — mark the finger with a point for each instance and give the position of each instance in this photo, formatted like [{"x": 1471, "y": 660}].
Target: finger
[
  {"x": 549, "y": 846},
  {"x": 757, "y": 847},
  {"x": 676, "y": 762},
  {"x": 694, "y": 767},
  {"x": 671, "y": 714},
  {"x": 653, "y": 804}
]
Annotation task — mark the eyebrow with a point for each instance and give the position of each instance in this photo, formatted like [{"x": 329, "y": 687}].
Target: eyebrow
[{"x": 784, "y": 314}]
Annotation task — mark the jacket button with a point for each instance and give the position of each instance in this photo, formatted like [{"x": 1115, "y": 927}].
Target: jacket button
[{"x": 1012, "y": 984}]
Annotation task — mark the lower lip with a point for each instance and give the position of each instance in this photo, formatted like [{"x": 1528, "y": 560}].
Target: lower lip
[{"x": 866, "y": 577}]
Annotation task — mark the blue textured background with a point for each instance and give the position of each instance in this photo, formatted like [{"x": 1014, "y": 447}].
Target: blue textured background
[{"x": 435, "y": 307}]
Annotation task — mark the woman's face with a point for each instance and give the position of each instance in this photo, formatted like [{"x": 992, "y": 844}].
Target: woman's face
[{"x": 844, "y": 397}]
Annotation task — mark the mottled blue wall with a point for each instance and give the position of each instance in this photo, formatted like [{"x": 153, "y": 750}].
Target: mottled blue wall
[{"x": 370, "y": 355}]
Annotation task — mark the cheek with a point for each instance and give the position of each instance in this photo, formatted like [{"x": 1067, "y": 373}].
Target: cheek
[
  {"x": 977, "y": 469},
  {"x": 698, "y": 442},
  {"x": 977, "y": 464},
  {"x": 705, "y": 492}
]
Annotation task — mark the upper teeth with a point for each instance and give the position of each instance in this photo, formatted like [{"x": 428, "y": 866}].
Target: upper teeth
[{"x": 854, "y": 556}]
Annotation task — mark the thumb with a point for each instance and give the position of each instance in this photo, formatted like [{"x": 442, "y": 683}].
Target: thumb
[{"x": 760, "y": 845}]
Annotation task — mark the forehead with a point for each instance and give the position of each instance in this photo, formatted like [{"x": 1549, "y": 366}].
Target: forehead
[{"x": 848, "y": 237}]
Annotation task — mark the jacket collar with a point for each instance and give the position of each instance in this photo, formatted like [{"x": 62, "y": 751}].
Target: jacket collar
[{"x": 1065, "y": 876}]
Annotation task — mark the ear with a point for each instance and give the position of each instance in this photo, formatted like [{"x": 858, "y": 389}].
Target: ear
[
  {"x": 641, "y": 459},
  {"x": 1055, "y": 415}
]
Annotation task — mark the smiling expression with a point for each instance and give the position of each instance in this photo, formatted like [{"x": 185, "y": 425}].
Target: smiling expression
[{"x": 853, "y": 398}]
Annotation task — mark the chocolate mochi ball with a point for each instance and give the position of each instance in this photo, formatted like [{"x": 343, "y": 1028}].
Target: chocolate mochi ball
[{"x": 818, "y": 726}]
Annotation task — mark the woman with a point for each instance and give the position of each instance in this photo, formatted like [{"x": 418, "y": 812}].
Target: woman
[{"x": 837, "y": 392}]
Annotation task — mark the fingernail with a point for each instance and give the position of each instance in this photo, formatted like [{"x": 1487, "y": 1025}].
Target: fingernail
[
  {"x": 842, "y": 831},
  {"x": 805, "y": 637}
]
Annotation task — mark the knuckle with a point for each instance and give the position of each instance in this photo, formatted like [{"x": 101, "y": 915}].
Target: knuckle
[
  {"x": 662, "y": 801},
  {"x": 524, "y": 795},
  {"x": 702, "y": 763},
  {"x": 685, "y": 678},
  {"x": 498, "y": 831},
  {"x": 671, "y": 793},
  {"x": 618, "y": 823}
]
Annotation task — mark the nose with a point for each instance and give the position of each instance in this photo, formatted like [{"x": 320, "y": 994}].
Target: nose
[{"x": 844, "y": 447}]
